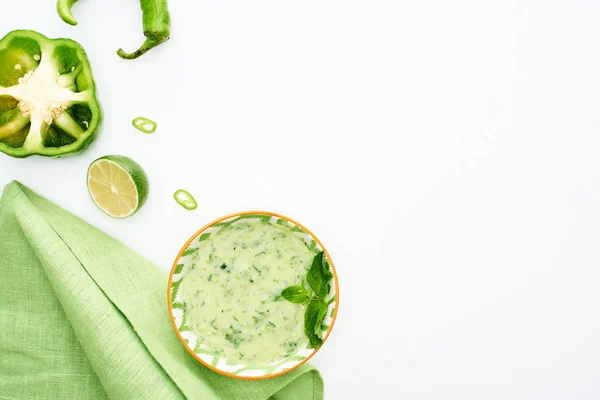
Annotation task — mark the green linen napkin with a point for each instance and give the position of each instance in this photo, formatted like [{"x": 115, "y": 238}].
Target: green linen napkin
[{"x": 84, "y": 317}]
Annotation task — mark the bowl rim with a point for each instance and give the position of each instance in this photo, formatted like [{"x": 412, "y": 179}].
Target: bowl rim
[{"x": 196, "y": 235}]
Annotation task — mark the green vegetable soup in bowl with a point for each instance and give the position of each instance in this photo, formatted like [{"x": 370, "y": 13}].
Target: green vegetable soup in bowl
[{"x": 253, "y": 295}]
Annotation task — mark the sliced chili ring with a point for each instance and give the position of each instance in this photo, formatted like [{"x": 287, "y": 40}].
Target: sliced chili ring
[
  {"x": 144, "y": 124},
  {"x": 185, "y": 199}
]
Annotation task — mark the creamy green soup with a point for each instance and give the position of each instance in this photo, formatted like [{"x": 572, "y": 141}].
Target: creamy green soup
[{"x": 232, "y": 292}]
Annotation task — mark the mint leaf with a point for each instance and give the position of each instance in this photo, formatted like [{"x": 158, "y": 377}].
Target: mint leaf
[
  {"x": 327, "y": 274},
  {"x": 315, "y": 277},
  {"x": 311, "y": 316},
  {"x": 321, "y": 318},
  {"x": 295, "y": 294},
  {"x": 319, "y": 275}
]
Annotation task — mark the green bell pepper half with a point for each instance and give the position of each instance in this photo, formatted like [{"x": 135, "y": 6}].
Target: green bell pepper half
[{"x": 48, "y": 103}]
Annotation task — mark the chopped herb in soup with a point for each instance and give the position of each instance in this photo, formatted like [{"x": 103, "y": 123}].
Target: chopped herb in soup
[{"x": 232, "y": 292}]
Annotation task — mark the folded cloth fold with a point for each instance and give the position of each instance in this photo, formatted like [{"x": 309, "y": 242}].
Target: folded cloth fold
[{"x": 84, "y": 317}]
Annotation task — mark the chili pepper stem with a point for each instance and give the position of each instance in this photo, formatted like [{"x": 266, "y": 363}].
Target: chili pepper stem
[{"x": 148, "y": 45}]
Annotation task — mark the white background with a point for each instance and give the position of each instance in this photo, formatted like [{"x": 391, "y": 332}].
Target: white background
[{"x": 446, "y": 153}]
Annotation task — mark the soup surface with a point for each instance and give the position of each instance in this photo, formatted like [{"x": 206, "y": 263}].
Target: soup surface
[{"x": 232, "y": 292}]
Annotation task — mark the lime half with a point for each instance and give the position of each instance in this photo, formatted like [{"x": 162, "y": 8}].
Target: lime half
[{"x": 118, "y": 185}]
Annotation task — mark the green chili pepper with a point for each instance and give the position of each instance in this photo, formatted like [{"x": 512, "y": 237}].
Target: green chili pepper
[
  {"x": 64, "y": 10},
  {"x": 144, "y": 124},
  {"x": 185, "y": 199},
  {"x": 157, "y": 24},
  {"x": 48, "y": 103}
]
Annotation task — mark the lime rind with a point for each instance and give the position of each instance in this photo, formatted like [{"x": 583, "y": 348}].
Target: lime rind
[{"x": 136, "y": 177}]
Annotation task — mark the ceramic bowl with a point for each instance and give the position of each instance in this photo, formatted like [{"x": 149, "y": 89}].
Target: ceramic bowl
[{"x": 177, "y": 308}]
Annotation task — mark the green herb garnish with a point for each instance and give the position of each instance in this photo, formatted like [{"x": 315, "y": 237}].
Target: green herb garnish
[
  {"x": 318, "y": 277},
  {"x": 290, "y": 347},
  {"x": 296, "y": 294},
  {"x": 234, "y": 339}
]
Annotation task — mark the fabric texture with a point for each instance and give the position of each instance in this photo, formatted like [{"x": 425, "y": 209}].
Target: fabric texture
[{"x": 84, "y": 317}]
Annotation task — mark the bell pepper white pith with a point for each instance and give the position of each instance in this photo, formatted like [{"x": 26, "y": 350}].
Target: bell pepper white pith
[{"x": 44, "y": 95}]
